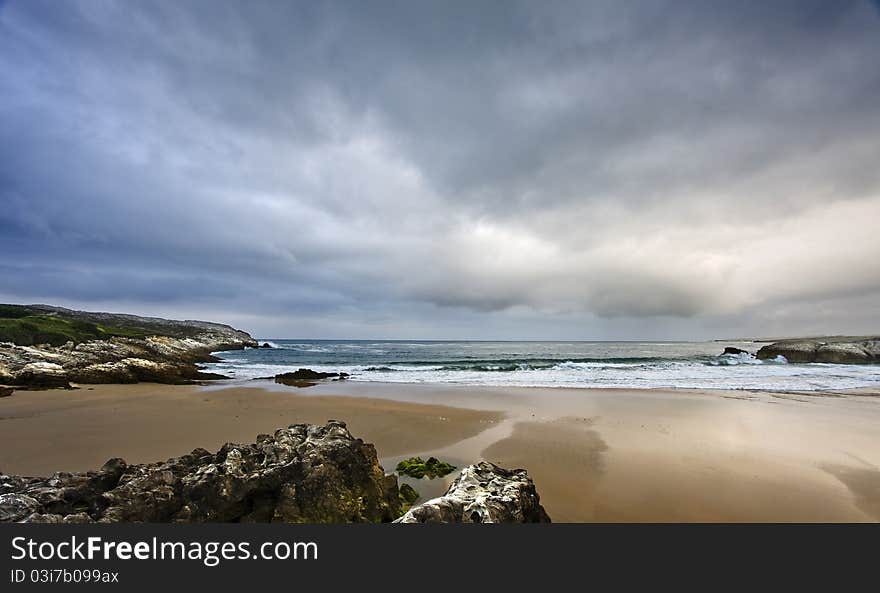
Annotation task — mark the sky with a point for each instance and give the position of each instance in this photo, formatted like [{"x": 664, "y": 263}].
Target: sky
[{"x": 446, "y": 170}]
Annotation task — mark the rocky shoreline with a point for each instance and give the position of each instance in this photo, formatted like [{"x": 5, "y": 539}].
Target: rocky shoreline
[
  {"x": 300, "y": 474},
  {"x": 133, "y": 349},
  {"x": 833, "y": 350}
]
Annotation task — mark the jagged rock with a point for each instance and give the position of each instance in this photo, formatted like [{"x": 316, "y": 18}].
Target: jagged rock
[
  {"x": 297, "y": 377},
  {"x": 304, "y": 473},
  {"x": 50, "y": 518},
  {"x": 732, "y": 350},
  {"x": 483, "y": 493},
  {"x": 16, "y": 507},
  {"x": 6, "y": 391},
  {"x": 831, "y": 350},
  {"x": 170, "y": 355},
  {"x": 10, "y": 484}
]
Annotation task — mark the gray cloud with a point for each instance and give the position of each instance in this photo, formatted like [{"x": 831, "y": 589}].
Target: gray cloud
[{"x": 577, "y": 170}]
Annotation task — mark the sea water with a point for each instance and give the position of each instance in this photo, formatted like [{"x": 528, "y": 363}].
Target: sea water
[{"x": 697, "y": 365}]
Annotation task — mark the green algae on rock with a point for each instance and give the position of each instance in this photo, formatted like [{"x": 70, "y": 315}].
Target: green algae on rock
[{"x": 416, "y": 467}]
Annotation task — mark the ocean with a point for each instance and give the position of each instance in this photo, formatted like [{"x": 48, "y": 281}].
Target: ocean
[{"x": 682, "y": 365}]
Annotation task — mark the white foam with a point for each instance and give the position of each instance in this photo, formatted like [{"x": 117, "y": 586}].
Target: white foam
[{"x": 773, "y": 375}]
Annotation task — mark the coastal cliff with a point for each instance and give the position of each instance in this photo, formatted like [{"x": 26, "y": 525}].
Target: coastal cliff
[
  {"x": 44, "y": 347},
  {"x": 300, "y": 474},
  {"x": 835, "y": 350}
]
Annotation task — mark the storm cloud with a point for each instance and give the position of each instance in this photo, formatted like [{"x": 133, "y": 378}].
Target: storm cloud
[{"x": 447, "y": 169}]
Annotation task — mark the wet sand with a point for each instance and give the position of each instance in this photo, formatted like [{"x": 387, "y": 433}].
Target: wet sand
[
  {"x": 583, "y": 479},
  {"x": 595, "y": 454},
  {"x": 46, "y": 431}
]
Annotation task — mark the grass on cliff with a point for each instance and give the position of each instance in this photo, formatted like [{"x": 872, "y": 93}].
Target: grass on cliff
[{"x": 28, "y": 327}]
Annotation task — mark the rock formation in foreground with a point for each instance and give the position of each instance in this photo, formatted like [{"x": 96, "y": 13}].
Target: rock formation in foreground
[
  {"x": 483, "y": 493},
  {"x": 46, "y": 347},
  {"x": 301, "y": 474},
  {"x": 838, "y": 350}
]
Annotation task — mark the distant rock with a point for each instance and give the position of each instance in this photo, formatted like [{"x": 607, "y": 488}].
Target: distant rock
[
  {"x": 137, "y": 349},
  {"x": 298, "y": 377},
  {"x": 732, "y": 350},
  {"x": 837, "y": 350},
  {"x": 266, "y": 345},
  {"x": 301, "y": 474},
  {"x": 483, "y": 493}
]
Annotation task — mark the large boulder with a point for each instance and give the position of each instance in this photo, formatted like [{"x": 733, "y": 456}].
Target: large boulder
[
  {"x": 483, "y": 493},
  {"x": 43, "y": 375},
  {"x": 304, "y": 473}
]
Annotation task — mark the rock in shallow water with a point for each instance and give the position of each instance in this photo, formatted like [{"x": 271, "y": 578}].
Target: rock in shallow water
[
  {"x": 733, "y": 350},
  {"x": 297, "y": 377},
  {"x": 417, "y": 467},
  {"x": 483, "y": 493}
]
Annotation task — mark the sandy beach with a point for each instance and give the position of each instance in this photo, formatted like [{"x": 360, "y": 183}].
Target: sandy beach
[{"x": 594, "y": 454}]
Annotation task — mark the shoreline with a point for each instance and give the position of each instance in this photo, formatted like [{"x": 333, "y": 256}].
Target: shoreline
[
  {"x": 267, "y": 383},
  {"x": 595, "y": 454}
]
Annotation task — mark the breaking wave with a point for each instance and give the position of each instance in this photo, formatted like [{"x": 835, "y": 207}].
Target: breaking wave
[{"x": 547, "y": 364}]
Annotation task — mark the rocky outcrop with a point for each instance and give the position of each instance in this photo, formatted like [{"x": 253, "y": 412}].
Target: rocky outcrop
[
  {"x": 296, "y": 378},
  {"x": 164, "y": 351},
  {"x": 483, "y": 493},
  {"x": 304, "y": 473},
  {"x": 836, "y": 350},
  {"x": 6, "y": 391},
  {"x": 301, "y": 474}
]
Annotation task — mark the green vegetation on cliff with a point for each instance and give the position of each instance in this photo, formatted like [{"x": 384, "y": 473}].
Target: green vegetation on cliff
[
  {"x": 37, "y": 324},
  {"x": 28, "y": 327}
]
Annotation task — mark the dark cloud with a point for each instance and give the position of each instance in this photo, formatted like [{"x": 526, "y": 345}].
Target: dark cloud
[{"x": 498, "y": 169}]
